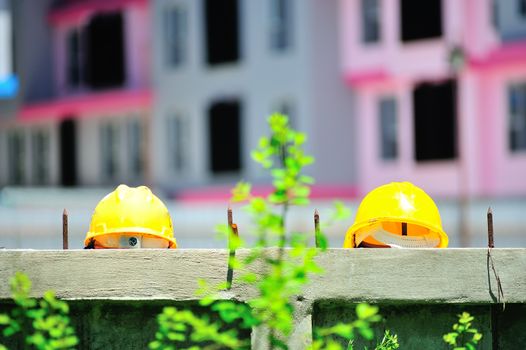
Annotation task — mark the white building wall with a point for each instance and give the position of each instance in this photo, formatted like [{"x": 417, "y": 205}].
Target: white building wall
[{"x": 331, "y": 114}]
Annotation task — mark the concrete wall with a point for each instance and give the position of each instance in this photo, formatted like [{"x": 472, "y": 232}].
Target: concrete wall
[{"x": 115, "y": 294}]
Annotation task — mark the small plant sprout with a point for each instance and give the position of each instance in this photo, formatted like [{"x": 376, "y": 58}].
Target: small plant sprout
[{"x": 464, "y": 336}]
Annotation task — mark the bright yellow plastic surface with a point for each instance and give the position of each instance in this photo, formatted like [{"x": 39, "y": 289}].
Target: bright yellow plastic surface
[
  {"x": 133, "y": 210},
  {"x": 391, "y": 205}
]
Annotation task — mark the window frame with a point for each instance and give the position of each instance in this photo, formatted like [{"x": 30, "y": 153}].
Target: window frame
[
  {"x": 370, "y": 15},
  {"x": 281, "y": 25},
  {"x": 180, "y": 41},
  {"x": 516, "y": 119},
  {"x": 40, "y": 155},
  {"x": 392, "y": 130},
  {"x": 16, "y": 158},
  {"x": 177, "y": 142},
  {"x": 110, "y": 160},
  {"x": 134, "y": 145}
]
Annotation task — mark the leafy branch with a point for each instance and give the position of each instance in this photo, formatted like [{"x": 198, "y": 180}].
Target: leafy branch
[
  {"x": 464, "y": 336},
  {"x": 41, "y": 324}
]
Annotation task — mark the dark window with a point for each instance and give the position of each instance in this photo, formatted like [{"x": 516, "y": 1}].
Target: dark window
[
  {"x": 388, "y": 129},
  {"x": 280, "y": 24},
  {"x": 370, "y": 21},
  {"x": 420, "y": 19},
  {"x": 73, "y": 59},
  {"x": 434, "y": 109},
  {"x": 68, "y": 153},
  {"x": 105, "y": 51},
  {"x": 222, "y": 31},
  {"x": 517, "y": 111},
  {"x": 225, "y": 137}
]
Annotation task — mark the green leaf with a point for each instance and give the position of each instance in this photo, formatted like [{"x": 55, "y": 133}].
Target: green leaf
[
  {"x": 366, "y": 311},
  {"x": 241, "y": 192},
  {"x": 4, "y": 319}
]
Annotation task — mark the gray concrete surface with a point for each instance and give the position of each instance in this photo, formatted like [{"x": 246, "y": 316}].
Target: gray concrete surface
[{"x": 116, "y": 294}]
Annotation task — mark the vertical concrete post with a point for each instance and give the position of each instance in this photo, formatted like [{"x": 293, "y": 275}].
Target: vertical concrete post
[{"x": 301, "y": 336}]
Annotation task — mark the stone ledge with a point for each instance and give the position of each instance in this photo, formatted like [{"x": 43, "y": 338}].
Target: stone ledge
[{"x": 423, "y": 276}]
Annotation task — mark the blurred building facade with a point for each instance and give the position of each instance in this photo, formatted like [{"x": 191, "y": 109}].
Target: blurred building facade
[
  {"x": 440, "y": 93},
  {"x": 85, "y": 101},
  {"x": 170, "y": 93},
  {"x": 175, "y": 93}
]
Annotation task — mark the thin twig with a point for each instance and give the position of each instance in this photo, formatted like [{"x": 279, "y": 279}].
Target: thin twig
[
  {"x": 491, "y": 245},
  {"x": 232, "y": 230}
]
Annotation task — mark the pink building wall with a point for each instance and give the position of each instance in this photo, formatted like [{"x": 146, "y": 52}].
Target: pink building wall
[{"x": 485, "y": 166}]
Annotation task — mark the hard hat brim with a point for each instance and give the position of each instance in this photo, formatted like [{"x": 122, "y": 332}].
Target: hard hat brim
[
  {"x": 141, "y": 230},
  {"x": 351, "y": 232}
]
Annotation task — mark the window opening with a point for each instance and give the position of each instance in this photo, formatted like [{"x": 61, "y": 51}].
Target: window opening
[
  {"x": 225, "y": 137},
  {"x": 517, "y": 112},
  {"x": 110, "y": 150},
  {"x": 177, "y": 139},
  {"x": 68, "y": 152},
  {"x": 175, "y": 32},
  {"x": 420, "y": 19},
  {"x": 388, "y": 128},
  {"x": 370, "y": 21},
  {"x": 135, "y": 143},
  {"x": 16, "y": 156},
  {"x": 105, "y": 51},
  {"x": 222, "y": 31},
  {"x": 40, "y": 143},
  {"x": 73, "y": 59},
  {"x": 434, "y": 109},
  {"x": 280, "y": 24}
]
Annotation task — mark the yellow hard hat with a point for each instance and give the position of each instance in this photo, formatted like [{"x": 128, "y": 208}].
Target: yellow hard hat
[
  {"x": 133, "y": 213},
  {"x": 398, "y": 214}
]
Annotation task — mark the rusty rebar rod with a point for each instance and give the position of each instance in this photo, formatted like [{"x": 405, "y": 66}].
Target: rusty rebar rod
[
  {"x": 491, "y": 243},
  {"x": 317, "y": 228},
  {"x": 229, "y": 216},
  {"x": 65, "y": 229}
]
